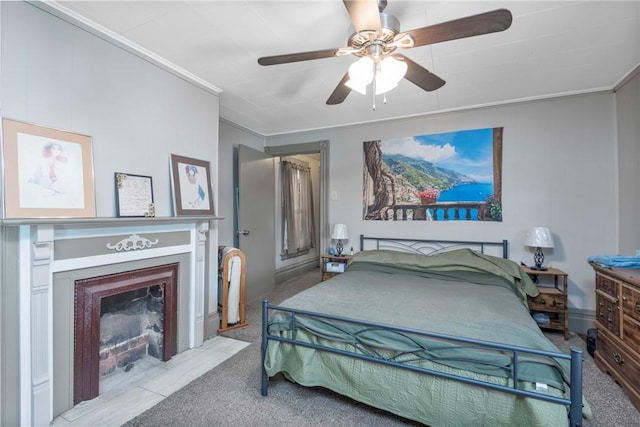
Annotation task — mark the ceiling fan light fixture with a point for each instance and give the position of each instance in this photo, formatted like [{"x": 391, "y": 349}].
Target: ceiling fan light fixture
[
  {"x": 375, "y": 36},
  {"x": 391, "y": 71},
  {"x": 357, "y": 86},
  {"x": 361, "y": 71},
  {"x": 384, "y": 85}
]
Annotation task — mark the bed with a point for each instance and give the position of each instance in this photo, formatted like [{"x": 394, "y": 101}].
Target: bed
[{"x": 436, "y": 332}]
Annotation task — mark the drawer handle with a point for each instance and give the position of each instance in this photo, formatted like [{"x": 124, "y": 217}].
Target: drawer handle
[
  {"x": 609, "y": 309},
  {"x": 617, "y": 358},
  {"x": 638, "y": 307}
]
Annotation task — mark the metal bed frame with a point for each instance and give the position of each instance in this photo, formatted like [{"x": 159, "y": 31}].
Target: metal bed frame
[
  {"x": 575, "y": 357},
  {"x": 430, "y": 247}
]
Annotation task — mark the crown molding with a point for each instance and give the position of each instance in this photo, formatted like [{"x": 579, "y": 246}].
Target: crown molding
[{"x": 82, "y": 22}]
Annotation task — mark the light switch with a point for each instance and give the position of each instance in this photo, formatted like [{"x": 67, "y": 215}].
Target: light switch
[{"x": 334, "y": 195}]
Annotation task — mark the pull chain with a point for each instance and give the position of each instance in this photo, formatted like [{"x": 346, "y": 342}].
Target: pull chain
[{"x": 373, "y": 93}]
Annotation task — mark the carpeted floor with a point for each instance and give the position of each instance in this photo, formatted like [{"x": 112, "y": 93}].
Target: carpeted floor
[{"x": 229, "y": 395}]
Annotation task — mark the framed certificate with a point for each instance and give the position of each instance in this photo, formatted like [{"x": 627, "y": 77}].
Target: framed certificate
[{"x": 134, "y": 195}]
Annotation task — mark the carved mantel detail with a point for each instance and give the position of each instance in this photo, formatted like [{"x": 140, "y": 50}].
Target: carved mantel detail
[{"x": 132, "y": 243}]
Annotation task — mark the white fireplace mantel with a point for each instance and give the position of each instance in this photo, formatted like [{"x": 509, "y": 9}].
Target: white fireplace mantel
[
  {"x": 38, "y": 261},
  {"x": 107, "y": 221}
]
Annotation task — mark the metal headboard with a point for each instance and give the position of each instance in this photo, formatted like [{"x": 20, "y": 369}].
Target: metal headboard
[{"x": 429, "y": 247}]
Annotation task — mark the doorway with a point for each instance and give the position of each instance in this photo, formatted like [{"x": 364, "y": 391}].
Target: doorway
[
  {"x": 320, "y": 148},
  {"x": 319, "y": 151}
]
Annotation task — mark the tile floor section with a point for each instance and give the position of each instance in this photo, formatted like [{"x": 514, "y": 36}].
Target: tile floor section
[{"x": 122, "y": 399}]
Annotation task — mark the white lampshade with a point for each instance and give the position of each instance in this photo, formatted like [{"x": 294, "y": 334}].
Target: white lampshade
[
  {"x": 539, "y": 237},
  {"x": 360, "y": 74},
  {"x": 387, "y": 73},
  {"x": 390, "y": 74},
  {"x": 357, "y": 86},
  {"x": 339, "y": 232}
]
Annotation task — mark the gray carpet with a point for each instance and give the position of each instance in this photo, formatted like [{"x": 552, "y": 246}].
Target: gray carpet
[{"x": 229, "y": 395}]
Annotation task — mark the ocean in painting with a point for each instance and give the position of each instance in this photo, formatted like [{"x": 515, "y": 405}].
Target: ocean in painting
[{"x": 475, "y": 192}]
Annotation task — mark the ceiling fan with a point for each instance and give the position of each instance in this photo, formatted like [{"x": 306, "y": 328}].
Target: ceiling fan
[{"x": 376, "y": 38}]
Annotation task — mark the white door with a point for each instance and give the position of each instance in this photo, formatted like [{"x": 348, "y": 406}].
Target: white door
[{"x": 256, "y": 219}]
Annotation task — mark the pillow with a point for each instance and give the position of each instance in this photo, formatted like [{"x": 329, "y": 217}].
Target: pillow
[{"x": 459, "y": 264}]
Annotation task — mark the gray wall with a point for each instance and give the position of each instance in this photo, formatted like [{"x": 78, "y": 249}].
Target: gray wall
[
  {"x": 55, "y": 74},
  {"x": 628, "y": 127},
  {"x": 559, "y": 170},
  {"x": 231, "y": 136}
]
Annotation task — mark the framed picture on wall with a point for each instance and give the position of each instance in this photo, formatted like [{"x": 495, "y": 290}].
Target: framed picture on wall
[
  {"x": 48, "y": 173},
  {"x": 191, "y": 185},
  {"x": 452, "y": 176},
  {"x": 134, "y": 195}
]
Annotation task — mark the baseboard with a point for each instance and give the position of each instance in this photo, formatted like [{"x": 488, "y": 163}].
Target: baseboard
[
  {"x": 212, "y": 326},
  {"x": 287, "y": 273},
  {"x": 581, "y": 320}
]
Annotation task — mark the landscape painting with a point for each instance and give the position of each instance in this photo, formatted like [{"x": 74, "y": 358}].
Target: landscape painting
[{"x": 453, "y": 176}]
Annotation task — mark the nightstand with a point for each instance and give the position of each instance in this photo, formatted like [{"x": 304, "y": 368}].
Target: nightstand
[
  {"x": 332, "y": 265},
  {"x": 552, "y": 301}
]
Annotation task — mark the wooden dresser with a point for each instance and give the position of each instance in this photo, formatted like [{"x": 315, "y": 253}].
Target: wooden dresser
[{"x": 618, "y": 325}]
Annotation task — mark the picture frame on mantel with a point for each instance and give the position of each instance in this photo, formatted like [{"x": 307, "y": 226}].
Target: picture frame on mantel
[
  {"x": 191, "y": 186},
  {"x": 48, "y": 173},
  {"x": 134, "y": 196}
]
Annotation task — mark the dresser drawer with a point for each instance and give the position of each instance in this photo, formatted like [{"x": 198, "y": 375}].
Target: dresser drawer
[
  {"x": 631, "y": 332},
  {"x": 607, "y": 313},
  {"x": 619, "y": 360},
  {"x": 607, "y": 285},
  {"x": 548, "y": 301},
  {"x": 631, "y": 302}
]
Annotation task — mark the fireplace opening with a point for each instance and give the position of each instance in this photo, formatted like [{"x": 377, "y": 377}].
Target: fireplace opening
[
  {"x": 120, "y": 318},
  {"x": 131, "y": 327}
]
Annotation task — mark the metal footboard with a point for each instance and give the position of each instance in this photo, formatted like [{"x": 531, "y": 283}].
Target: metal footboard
[{"x": 575, "y": 357}]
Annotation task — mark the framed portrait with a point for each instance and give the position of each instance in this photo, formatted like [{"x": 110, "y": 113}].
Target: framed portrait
[
  {"x": 48, "y": 173},
  {"x": 134, "y": 195},
  {"x": 191, "y": 183}
]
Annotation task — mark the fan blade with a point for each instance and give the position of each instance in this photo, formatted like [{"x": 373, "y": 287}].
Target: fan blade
[
  {"x": 340, "y": 92},
  {"x": 484, "y": 23},
  {"x": 297, "y": 57},
  {"x": 364, "y": 14},
  {"x": 420, "y": 76}
]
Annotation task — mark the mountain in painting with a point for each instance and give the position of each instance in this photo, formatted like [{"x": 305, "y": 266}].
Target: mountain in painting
[{"x": 419, "y": 174}]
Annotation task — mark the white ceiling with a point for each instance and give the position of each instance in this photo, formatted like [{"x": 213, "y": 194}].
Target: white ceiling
[{"x": 552, "y": 47}]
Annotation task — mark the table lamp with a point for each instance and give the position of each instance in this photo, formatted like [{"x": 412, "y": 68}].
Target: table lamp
[
  {"x": 539, "y": 237},
  {"x": 338, "y": 233}
]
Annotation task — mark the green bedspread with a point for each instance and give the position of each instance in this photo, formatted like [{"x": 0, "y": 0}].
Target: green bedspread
[{"x": 458, "y": 293}]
